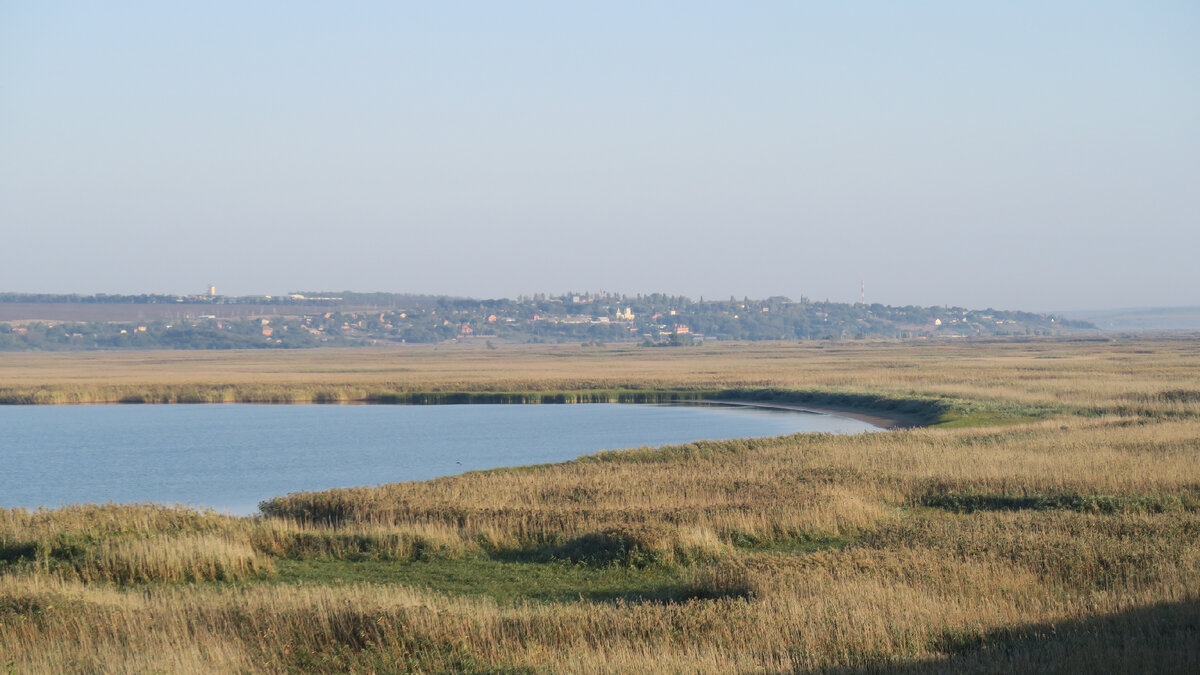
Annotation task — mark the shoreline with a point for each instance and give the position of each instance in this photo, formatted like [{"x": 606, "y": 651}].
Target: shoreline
[{"x": 886, "y": 422}]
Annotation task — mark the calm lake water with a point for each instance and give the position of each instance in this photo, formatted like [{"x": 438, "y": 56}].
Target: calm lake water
[{"x": 230, "y": 457}]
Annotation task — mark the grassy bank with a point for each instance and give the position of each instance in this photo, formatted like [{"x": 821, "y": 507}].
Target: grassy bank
[
  {"x": 1051, "y": 522},
  {"x": 1123, "y": 377}
]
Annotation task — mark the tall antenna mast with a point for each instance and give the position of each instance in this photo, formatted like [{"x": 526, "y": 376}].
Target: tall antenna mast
[{"x": 863, "y": 297}]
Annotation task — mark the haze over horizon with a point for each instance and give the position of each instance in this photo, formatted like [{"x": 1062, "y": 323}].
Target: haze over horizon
[{"x": 1007, "y": 155}]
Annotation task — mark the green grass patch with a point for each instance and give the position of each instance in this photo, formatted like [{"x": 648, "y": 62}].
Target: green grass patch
[
  {"x": 960, "y": 413},
  {"x": 790, "y": 546},
  {"x": 506, "y": 581},
  {"x": 548, "y": 576}
]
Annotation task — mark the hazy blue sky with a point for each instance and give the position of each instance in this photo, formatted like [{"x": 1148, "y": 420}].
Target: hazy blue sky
[{"x": 1033, "y": 155}]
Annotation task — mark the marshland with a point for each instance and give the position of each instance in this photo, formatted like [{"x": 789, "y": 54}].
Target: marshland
[{"x": 1044, "y": 515}]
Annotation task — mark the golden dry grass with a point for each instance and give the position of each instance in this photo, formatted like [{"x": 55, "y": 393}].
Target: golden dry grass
[
  {"x": 1117, "y": 377},
  {"x": 1068, "y": 543}
]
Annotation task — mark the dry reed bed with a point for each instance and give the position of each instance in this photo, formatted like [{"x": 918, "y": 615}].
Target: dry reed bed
[
  {"x": 1070, "y": 543},
  {"x": 1144, "y": 376},
  {"x": 856, "y": 608},
  {"x": 806, "y": 486},
  {"x": 928, "y": 587}
]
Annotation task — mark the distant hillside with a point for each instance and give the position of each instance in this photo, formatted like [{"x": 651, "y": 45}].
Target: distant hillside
[
  {"x": 46, "y": 322},
  {"x": 1142, "y": 319}
]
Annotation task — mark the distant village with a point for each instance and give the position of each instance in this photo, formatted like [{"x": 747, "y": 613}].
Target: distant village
[{"x": 212, "y": 321}]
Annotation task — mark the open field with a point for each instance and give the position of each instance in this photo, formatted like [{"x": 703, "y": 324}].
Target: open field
[{"x": 1049, "y": 519}]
